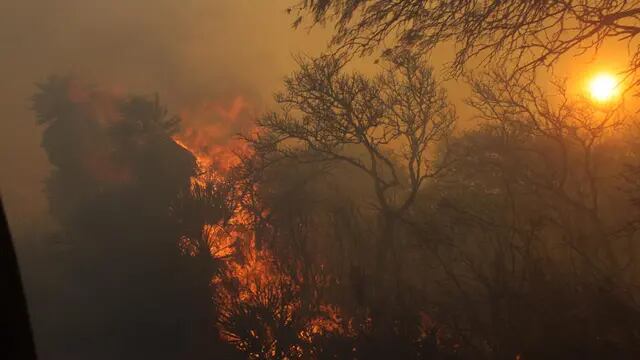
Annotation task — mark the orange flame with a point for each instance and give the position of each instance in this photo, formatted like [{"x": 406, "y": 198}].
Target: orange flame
[{"x": 211, "y": 133}]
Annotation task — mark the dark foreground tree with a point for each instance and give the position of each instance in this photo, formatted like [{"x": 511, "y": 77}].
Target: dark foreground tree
[
  {"x": 526, "y": 34},
  {"x": 117, "y": 175}
]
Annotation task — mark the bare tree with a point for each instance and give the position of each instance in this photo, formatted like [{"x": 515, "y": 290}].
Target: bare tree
[
  {"x": 393, "y": 127},
  {"x": 561, "y": 136},
  {"x": 532, "y": 205},
  {"x": 526, "y": 33}
]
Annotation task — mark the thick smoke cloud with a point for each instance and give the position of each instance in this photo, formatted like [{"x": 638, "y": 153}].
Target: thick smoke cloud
[
  {"x": 199, "y": 55},
  {"x": 193, "y": 53}
]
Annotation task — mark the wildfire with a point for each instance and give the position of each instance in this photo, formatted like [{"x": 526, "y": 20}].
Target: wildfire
[{"x": 251, "y": 280}]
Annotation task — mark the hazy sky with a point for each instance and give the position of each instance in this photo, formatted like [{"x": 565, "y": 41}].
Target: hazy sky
[{"x": 190, "y": 51}]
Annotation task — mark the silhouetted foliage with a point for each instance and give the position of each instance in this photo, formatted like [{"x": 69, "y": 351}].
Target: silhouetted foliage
[
  {"x": 523, "y": 247},
  {"x": 393, "y": 128},
  {"x": 520, "y": 33},
  {"x": 117, "y": 173}
]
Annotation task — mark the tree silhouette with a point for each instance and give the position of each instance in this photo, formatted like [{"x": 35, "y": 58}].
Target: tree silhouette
[
  {"x": 521, "y": 233},
  {"x": 117, "y": 172},
  {"x": 392, "y": 128},
  {"x": 524, "y": 34}
]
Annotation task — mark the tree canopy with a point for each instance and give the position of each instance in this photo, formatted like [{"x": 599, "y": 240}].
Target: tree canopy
[{"x": 525, "y": 34}]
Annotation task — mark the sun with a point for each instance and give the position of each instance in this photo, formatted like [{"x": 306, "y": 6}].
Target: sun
[{"x": 603, "y": 87}]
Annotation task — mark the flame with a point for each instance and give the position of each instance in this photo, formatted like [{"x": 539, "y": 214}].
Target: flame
[
  {"x": 252, "y": 283},
  {"x": 256, "y": 300},
  {"x": 251, "y": 277},
  {"x": 211, "y": 133}
]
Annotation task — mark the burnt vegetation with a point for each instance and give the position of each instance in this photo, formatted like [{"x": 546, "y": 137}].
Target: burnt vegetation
[{"x": 360, "y": 223}]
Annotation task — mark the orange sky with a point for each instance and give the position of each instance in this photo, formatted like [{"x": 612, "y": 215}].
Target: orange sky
[{"x": 192, "y": 52}]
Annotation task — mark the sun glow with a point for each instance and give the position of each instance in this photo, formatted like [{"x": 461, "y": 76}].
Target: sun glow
[{"x": 603, "y": 87}]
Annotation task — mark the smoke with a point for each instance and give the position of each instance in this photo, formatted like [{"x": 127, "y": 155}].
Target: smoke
[
  {"x": 192, "y": 52},
  {"x": 206, "y": 59}
]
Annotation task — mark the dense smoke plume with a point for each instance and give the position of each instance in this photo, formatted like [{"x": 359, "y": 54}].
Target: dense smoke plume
[
  {"x": 214, "y": 64},
  {"x": 192, "y": 53}
]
